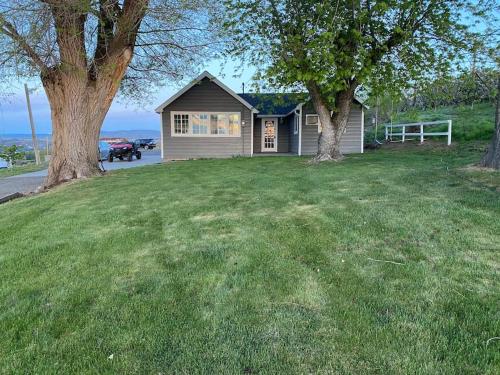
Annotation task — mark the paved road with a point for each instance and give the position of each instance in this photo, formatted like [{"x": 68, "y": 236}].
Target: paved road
[{"x": 28, "y": 182}]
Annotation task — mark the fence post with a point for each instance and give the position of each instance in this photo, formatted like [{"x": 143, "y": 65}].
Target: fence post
[
  {"x": 386, "y": 134},
  {"x": 449, "y": 132},
  {"x": 421, "y": 133},
  {"x": 403, "y": 135}
]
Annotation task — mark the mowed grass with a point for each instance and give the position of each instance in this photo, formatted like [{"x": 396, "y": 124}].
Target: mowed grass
[
  {"x": 20, "y": 169},
  {"x": 263, "y": 265}
]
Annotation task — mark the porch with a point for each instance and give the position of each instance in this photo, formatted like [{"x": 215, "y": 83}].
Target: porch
[{"x": 274, "y": 135}]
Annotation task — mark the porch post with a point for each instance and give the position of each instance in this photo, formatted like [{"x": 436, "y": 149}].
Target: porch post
[
  {"x": 251, "y": 131},
  {"x": 300, "y": 130}
]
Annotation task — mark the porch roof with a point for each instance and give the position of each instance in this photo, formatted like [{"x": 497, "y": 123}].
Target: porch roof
[
  {"x": 279, "y": 104},
  {"x": 274, "y": 104}
]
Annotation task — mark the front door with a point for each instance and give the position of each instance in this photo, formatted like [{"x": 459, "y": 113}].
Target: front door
[{"x": 269, "y": 135}]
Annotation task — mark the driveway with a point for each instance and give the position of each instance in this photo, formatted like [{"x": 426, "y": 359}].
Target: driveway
[{"x": 28, "y": 182}]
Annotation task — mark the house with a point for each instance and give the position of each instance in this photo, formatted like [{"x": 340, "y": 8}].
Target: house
[{"x": 206, "y": 119}]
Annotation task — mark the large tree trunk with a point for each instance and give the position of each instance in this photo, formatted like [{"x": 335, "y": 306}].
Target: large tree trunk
[
  {"x": 492, "y": 157},
  {"x": 79, "y": 103},
  {"x": 333, "y": 125}
]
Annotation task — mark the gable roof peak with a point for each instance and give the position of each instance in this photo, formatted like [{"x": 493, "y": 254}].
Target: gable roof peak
[{"x": 212, "y": 78}]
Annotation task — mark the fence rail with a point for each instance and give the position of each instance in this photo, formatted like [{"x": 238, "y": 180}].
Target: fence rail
[{"x": 403, "y": 134}]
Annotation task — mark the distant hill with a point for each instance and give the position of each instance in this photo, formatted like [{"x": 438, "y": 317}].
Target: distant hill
[
  {"x": 22, "y": 135},
  {"x": 132, "y": 134}
]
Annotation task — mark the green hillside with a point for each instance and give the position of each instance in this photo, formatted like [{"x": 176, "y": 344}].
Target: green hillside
[{"x": 469, "y": 122}]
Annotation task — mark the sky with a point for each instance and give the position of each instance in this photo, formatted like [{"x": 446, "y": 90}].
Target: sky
[{"x": 121, "y": 116}]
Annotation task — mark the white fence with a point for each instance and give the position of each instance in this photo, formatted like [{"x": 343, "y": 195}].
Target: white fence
[{"x": 403, "y": 134}]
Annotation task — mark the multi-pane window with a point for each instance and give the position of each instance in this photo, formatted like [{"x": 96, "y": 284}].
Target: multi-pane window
[
  {"x": 181, "y": 124},
  {"x": 207, "y": 124}
]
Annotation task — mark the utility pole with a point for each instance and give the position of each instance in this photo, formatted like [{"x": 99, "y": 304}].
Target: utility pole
[{"x": 32, "y": 124}]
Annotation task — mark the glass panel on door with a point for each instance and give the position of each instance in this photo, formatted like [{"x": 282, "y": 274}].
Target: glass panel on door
[{"x": 269, "y": 135}]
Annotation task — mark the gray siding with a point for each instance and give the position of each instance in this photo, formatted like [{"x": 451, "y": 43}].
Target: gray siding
[
  {"x": 257, "y": 135},
  {"x": 351, "y": 141},
  {"x": 206, "y": 96},
  {"x": 283, "y": 135}
]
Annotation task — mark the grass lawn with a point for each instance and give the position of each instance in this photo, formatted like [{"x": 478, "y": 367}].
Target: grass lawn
[
  {"x": 262, "y": 265},
  {"x": 20, "y": 169}
]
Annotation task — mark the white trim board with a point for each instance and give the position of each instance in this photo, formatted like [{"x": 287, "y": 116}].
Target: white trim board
[
  {"x": 212, "y": 78},
  {"x": 362, "y": 130}
]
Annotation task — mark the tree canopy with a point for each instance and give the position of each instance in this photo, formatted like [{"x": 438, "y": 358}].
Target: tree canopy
[
  {"x": 373, "y": 42},
  {"x": 331, "y": 48},
  {"x": 84, "y": 51},
  {"x": 170, "y": 38}
]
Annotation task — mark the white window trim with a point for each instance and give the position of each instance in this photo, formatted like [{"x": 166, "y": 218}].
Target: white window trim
[
  {"x": 296, "y": 124},
  {"x": 190, "y": 125}
]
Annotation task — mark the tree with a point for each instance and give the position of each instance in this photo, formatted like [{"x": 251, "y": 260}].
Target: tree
[
  {"x": 81, "y": 50},
  {"x": 492, "y": 157},
  {"x": 331, "y": 48},
  {"x": 10, "y": 154}
]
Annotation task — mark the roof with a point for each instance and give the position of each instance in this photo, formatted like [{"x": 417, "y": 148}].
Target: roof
[
  {"x": 202, "y": 76},
  {"x": 279, "y": 104},
  {"x": 274, "y": 104},
  {"x": 264, "y": 104}
]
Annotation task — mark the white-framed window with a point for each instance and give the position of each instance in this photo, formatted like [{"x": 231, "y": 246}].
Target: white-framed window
[
  {"x": 296, "y": 123},
  {"x": 181, "y": 124},
  {"x": 313, "y": 120},
  {"x": 206, "y": 124}
]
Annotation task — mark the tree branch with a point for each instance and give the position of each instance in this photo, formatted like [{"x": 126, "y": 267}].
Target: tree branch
[
  {"x": 109, "y": 11},
  {"x": 9, "y": 29}
]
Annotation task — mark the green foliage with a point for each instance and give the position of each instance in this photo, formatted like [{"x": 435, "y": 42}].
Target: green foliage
[
  {"x": 466, "y": 88},
  {"x": 257, "y": 265},
  {"x": 383, "y": 44},
  {"x": 11, "y": 154},
  {"x": 469, "y": 122}
]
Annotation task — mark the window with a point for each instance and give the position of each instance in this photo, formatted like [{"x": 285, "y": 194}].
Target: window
[
  {"x": 234, "y": 124},
  {"x": 313, "y": 120},
  {"x": 181, "y": 124},
  {"x": 296, "y": 124},
  {"x": 200, "y": 123},
  {"x": 206, "y": 124},
  {"x": 221, "y": 124}
]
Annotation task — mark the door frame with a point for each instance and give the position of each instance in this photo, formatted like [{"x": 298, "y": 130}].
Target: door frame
[{"x": 275, "y": 119}]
